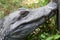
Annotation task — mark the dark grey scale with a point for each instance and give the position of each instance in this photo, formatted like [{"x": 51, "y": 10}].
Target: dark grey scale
[{"x": 19, "y": 24}]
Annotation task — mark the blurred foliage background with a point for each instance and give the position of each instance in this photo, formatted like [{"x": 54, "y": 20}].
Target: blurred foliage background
[{"x": 47, "y": 31}]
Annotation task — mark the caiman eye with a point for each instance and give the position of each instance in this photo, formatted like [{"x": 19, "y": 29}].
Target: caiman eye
[{"x": 24, "y": 13}]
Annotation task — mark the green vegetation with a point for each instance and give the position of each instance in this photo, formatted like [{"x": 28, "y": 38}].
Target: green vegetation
[{"x": 47, "y": 31}]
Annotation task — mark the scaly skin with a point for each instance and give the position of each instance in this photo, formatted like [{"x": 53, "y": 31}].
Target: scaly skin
[{"x": 17, "y": 28}]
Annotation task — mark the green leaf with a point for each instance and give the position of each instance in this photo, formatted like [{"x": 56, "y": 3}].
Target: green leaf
[
  {"x": 56, "y": 36},
  {"x": 42, "y": 35},
  {"x": 50, "y": 38}
]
